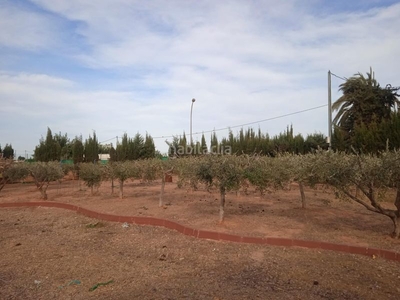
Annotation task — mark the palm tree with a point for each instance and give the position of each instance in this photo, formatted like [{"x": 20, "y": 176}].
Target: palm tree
[{"x": 363, "y": 102}]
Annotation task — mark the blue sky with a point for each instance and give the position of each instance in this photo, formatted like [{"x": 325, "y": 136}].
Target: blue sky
[{"x": 134, "y": 66}]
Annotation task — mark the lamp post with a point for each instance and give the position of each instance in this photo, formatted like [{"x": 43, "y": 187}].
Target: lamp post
[
  {"x": 329, "y": 110},
  {"x": 191, "y": 117}
]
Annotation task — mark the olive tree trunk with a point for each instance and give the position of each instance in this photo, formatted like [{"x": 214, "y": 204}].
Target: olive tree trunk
[
  {"x": 43, "y": 193},
  {"x": 3, "y": 184},
  {"x": 43, "y": 190},
  {"x": 374, "y": 206},
  {"x": 303, "y": 196},
  {"x": 121, "y": 189},
  {"x": 396, "y": 218},
  {"x": 222, "y": 205},
  {"x": 160, "y": 203},
  {"x": 42, "y": 187},
  {"x": 396, "y": 224},
  {"x": 163, "y": 180}
]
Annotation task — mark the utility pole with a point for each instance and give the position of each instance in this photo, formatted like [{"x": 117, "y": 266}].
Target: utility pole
[
  {"x": 329, "y": 110},
  {"x": 116, "y": 155},
  {"x": 191, "y": 115}
]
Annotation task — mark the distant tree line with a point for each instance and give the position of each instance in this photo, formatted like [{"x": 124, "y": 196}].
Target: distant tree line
[
  {"x": 59, "y": 147},
  {"x": 250, "y": 142}
]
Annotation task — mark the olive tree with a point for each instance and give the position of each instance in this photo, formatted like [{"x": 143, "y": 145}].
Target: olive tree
[
  {"x": 304, "y": 170},
  {"x": 5, "y": 164},
  {"x": 11, "y": 172},
  {"x": 391, "y": 164},
  {"x": 371, "y": 174},
  {"x": 108, "y": 174},
  {"x": 266, "y": 172},
  {"x": 125, "y": 170},
  {"x": 91, "y": 174},
  {"x": 43, "y": 173},
  {"x": 224, "y": 172},
  {"x": 187, "y": 168},
  {"x": 153, "y": 169}
]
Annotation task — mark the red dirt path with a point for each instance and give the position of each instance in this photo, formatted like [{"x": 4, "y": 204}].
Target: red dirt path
[{"x": 42, "y": 250}]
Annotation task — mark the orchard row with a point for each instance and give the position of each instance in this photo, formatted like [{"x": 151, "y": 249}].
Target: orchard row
[{"x": 372, "y": 175}]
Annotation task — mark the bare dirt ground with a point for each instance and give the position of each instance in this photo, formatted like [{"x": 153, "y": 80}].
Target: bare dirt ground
[{"x": 48, "y": 253}]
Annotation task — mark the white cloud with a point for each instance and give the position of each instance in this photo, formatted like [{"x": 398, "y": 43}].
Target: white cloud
[
  {"x": 26, "y": 30},
  {"x": 246, "y": 61}
]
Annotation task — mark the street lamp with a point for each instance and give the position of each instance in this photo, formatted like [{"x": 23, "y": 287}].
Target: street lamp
[
  {"x": 329, "y": 110},
  {"x": 191, "y": 116}
]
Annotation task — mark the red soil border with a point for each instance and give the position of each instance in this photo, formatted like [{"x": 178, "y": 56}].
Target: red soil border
[{"x": 212, "y": 235}]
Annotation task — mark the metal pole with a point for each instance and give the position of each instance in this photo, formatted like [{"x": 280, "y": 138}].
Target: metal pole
[
  {"x": 191, "y": 116},
  {"x": 329, "y": 110}
]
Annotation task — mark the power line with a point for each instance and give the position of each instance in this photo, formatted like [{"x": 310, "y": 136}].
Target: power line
[
  {"x": 251, "y": 123},
  {"x": 246, "y": 124},
  {"x": 107, "y": 140},
  {"x": 343, "y": 78},
  {"x": 241, "y": 125}
]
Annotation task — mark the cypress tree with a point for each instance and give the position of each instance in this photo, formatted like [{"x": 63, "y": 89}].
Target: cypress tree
[
  {"x": 122, "y": 149},
  {"x": 203, "y": 145},
  {"x": 149, "y": 149},
  {"x": 214, "y": 143},
  {"x": 77, "y": 150},
  {"x": 136, "y": 147},
  {"x": 8, "y": 151},
  {"x": 113, "y": 154},
  {"x": 92, "y": 149},
  {"x": 48, "y": 149}
]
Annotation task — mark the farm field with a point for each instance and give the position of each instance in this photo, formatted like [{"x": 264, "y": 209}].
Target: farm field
[
  {"x": 276, "y": 214},
  {"x": 57, "y": 247}
]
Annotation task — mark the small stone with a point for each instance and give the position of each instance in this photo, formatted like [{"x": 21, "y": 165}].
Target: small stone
[{"x": 316, "y": 282}]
